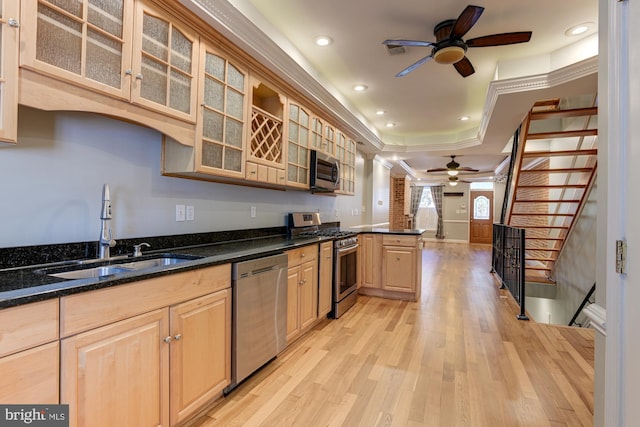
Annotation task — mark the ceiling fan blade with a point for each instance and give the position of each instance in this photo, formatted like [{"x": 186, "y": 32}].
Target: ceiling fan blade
[
  {"x": 407, "y": 43},
  {"x": 468, "y": 169},
  {"x": 500, "y": 39},
  {"x": 413, "y": 66},
  {"x": 464, "y": 67},
  {"x": 437, "y": 170},
  {"x": 465, "y": 21}
]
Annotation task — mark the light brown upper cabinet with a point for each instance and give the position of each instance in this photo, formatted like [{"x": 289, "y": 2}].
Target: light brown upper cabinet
[
  {"x": 298, "y": 146},
  {"x": 329, "y": 140},
  {"x": 9, "y": 24},
  {"x": 265, "y": 154},
  {"x": 221, "y": 121},
  {"x": 126, "y": 50}
]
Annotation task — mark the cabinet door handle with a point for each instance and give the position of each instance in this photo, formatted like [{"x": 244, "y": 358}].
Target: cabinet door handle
[
  {"x": 167, "y": 339},
  {"x": 177, "y": 337},
  {"x": 11, "y": 22}
]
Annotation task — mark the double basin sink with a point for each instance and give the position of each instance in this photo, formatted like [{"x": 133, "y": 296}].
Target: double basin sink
[{"x": 102, "y": 268}]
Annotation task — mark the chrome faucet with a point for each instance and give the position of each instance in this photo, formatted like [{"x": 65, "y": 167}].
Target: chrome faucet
[{"x": 106, "y": 236}]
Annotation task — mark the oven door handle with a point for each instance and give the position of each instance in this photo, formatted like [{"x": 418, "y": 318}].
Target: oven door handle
[{"x": 342, "y": 251}]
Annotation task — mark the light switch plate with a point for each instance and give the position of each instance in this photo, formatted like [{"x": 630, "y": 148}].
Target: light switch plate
[
  {"x": 191, "y": 213},
  {"x": 180, "y": 213}
]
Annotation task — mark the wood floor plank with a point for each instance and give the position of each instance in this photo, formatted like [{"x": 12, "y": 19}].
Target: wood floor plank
[{"x": 456, "y": 357}]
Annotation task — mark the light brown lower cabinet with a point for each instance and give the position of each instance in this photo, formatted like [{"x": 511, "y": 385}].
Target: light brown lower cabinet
[
  {"x": 391, "y": 266},
  {"x": 155, "y": 369},
  {"x": 302, "y": 290},
  {"x": 29, "y": 353},
  {"x": 200, "y": 352},
  {"x": 325, "y": 278}
]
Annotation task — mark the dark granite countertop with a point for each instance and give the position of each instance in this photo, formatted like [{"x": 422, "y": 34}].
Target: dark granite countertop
[
  {"x": 387, "y": 230},
  {"x": 25, "y": 284}
]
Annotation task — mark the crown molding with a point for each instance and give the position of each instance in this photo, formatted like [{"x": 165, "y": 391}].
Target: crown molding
[
  {"x": 241, "y": 31},
  {"x": 499, "y": 88}
]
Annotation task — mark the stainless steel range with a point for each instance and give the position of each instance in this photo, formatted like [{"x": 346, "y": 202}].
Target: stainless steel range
[{"x": 345, "y": 257}]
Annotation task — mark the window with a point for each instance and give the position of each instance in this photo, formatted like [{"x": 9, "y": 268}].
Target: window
[
  {"x": 426, "y": 217},
  {"x": 481, "y": 208}
]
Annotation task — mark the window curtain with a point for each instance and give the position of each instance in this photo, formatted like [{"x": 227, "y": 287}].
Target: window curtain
[
  {"x": 416, "y": 196},
  {"x": 436, "y": 192}
]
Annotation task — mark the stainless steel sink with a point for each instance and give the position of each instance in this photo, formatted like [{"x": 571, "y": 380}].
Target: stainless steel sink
[
  {"x": 87, "y": 271},
  {"x": 150, "y": 263}
]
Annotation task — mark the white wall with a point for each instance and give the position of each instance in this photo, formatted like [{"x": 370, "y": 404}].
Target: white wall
[
  {"x": 51, "y": 183},
  {"x": 380, "y": 181}
]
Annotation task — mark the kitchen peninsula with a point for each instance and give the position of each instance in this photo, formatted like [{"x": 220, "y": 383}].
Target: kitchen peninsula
[{"x": 390, "y": 262}]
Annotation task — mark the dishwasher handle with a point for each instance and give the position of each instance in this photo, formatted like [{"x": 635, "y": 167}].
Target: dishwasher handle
[{"x": 255, "y": 267}]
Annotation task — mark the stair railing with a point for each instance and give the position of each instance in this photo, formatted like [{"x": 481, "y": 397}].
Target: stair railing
[
  {"x": 507, "y": 261},
  {"x": 587, "y": 299}
]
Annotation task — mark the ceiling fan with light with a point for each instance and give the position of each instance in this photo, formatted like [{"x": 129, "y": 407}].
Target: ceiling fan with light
[
  {"x": 453, "y": 168},
  {"x": 450, "y": 48},
  {"x": 454, "y": 180}
]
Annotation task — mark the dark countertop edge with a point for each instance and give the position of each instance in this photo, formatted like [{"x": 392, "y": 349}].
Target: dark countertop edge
[
  {"x": 385, "y": 230},
  {"x": 61, "y": 287}
]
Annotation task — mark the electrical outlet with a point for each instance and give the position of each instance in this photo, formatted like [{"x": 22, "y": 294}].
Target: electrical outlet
[
  {"x": 191, "y": 213},
  {"x": 180, "y": 212},
  {"x": 253, "y": 211}
]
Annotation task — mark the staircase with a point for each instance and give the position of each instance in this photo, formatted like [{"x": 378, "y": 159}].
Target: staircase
[{"x": 556, "y": 164}]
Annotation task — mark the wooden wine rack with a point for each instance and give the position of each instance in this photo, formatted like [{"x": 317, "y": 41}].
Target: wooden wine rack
[{"x": 266, "y": 136}]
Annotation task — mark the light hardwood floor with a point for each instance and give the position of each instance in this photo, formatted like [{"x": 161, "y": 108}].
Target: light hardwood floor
[{"x": 458, "y": 357}]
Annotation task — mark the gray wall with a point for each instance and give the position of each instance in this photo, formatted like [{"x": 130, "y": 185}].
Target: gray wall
[
  {"x": 52, "y": 181},
  {"x": 575, "y": 270}
]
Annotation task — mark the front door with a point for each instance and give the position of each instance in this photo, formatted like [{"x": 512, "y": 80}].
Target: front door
[{"x": 481, "y": 213}]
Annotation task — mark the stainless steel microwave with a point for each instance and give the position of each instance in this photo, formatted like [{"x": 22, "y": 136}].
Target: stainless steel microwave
[{"x": 324, "y": 172}]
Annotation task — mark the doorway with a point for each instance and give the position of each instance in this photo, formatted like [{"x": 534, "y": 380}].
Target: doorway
[{"x": 481, "y": 217}]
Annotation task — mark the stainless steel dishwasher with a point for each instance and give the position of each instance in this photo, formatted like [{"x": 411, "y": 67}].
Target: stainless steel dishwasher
[{"x": 259, "y": 289}]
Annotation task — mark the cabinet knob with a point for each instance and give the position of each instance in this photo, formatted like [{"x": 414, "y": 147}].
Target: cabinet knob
[
  {"x": 303, "y": 255},
  {"x": 138, "y": 76},
  {"x": 167, "y": 339},
  {"x": 11, "y": 22},
  {"x": 177, "y": 337},
  {"x": 398, "y": 258},
  {"x": 128, "y": 72}
]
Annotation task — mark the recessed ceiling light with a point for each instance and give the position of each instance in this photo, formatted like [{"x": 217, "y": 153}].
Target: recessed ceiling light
[
  {"x": 359, "y": 87},
  {"x": 380, "y": 112},
  {"x": 390, "y": 125},
  {"x": 323, "y": 40},
  {"x": 463, "y": 118},
  {"x": 576, "y": 30}
]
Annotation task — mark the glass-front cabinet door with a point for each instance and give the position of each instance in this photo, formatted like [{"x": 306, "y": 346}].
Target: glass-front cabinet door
[
  {"x": 9, "y": 39},
  {"x": 87, "y": 42},
  {"x": 329, "y": 142},
  {"x": 164, "y": 64},
  {"x": 122, "y": 48},
  {"x": 221, "y": 116},
  {"x": 298, "y": 146}
]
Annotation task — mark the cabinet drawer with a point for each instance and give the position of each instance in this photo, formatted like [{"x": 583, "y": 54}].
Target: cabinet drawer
[
  {"x": 397, "y": 240},
  {"x": 28, "y": 325},
  {"x": 304, "y": 254},
  {"x": 89, "y": 310}
]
